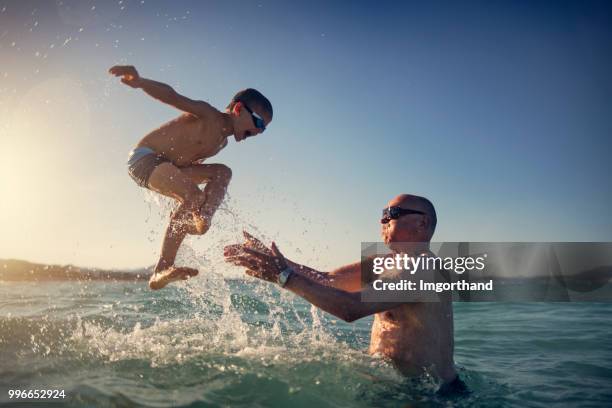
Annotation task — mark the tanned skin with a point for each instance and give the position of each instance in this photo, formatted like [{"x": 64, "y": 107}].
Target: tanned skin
[
  {"x": 199, "y": 133},
  {"x": 416, "y": 336}
]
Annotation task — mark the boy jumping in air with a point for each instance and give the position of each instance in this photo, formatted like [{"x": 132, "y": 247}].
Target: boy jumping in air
[{"x": 168, "y": 160}]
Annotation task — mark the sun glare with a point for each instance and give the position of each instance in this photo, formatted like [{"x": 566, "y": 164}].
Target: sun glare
[{"x": 39, "y": 157}]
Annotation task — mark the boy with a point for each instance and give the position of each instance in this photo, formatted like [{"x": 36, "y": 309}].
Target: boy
[{"x": 166, "y": 160}]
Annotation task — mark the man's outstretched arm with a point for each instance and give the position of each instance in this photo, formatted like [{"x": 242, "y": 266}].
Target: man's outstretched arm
[
  {"x": 344, "y": 305},
  {"x": 267, "y": 264},
  {"x": 162, "y": 92},
  {"x": 347, "y": 278}
]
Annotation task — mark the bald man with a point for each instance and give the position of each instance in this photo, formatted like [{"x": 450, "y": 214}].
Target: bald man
[{"x": 416, "y": 336}]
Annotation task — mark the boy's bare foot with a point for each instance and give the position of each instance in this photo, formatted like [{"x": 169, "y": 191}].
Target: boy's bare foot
[{"x": 172, "y": 274}]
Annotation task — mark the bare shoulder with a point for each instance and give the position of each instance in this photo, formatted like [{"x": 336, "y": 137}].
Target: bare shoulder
[{"x": 198, "y": 108}]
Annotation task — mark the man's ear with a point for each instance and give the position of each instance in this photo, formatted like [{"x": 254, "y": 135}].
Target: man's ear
[{"x": 425, "y": 222}]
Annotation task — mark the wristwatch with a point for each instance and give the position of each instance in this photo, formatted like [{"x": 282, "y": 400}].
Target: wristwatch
[{"x": 284, "y": 276}]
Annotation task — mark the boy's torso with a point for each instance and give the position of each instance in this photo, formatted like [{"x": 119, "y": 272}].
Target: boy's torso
[{"x": 186, "y": 139}]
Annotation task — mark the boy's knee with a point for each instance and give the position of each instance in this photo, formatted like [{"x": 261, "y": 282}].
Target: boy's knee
[
  {"x": 223, "y": 173},
  {"x": 197, "y": 231}
]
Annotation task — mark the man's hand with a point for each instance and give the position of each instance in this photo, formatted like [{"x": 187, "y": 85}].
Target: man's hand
[
  {"x": 254, "y": 243},
  {"x": 261, "y": 262},
  {"x": 128, "y": 73}
]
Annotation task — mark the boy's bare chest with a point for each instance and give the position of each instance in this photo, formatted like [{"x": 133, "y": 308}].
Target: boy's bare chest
[
  {"x": 196, "y": 133},
  {"x": 187, "y": 139}
]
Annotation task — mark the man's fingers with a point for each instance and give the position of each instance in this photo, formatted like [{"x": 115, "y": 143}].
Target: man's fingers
[
  {"x": 254, "y": 242},
  {"x": 243, "y": 261},
  {"x": 246, "y": 258},
  {"x": 256, "y": 254},
  {"x": 232, "y": 249},
  {"x": 251, "y": 240},
  {"x": 247, "y": 236},
  {"x": 238, "y": 249}
]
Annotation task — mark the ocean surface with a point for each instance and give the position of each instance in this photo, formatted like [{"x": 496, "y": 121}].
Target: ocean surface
[{"x": 218, "y": 342}]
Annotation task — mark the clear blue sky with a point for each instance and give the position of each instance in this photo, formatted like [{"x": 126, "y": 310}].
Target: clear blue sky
[{"x": 499, "y": 112}]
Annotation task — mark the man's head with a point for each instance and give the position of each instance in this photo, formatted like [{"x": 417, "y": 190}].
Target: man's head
[
  {"x": 250, "y": 112},
  {"x": 408, "y": 218}
]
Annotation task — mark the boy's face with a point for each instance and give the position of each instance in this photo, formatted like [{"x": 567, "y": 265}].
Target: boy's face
[{"x": 246, "y": 123}]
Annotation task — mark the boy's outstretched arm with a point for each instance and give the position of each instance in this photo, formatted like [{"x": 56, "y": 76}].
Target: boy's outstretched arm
[{"x": 161, "y": 92}]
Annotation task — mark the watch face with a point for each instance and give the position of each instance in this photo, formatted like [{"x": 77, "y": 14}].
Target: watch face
[{"x": 284, "y": 277}]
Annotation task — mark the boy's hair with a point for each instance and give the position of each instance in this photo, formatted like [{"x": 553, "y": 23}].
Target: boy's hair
[{"x": 251, "y": 97}]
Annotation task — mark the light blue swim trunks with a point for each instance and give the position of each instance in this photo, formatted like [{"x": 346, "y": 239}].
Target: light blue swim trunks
[{"x": 141, "y": 163}]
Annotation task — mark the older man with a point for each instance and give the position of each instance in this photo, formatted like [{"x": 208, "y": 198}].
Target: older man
[{"x": 416, "y": 336}]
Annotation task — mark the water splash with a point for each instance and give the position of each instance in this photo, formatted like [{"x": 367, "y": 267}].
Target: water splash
[{"x": 219, "y": 305}]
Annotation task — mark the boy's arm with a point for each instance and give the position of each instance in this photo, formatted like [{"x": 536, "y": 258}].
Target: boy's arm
[{"x": 162, "y": 92}]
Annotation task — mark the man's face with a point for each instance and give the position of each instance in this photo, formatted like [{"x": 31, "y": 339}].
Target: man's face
[
  {"x": 406, "y": 228},
  {"x": 246, "y": 120}
]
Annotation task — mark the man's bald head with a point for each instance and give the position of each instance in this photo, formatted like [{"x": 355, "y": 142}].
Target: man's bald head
[
  {"x": 414, "y": 202},
  {"x": 417, "y": 203}
]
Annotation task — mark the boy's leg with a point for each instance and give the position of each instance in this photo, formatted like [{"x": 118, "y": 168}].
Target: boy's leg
[
  {"x": 216, "y": 177},
  {"x": 170, "y": 181}
]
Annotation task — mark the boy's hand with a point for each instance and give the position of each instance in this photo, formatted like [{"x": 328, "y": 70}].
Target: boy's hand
[{"x": 128, "y": 73}]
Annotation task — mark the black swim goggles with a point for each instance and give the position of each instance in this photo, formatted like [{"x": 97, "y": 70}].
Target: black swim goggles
[
  {"x": 257, "y": 120},
  {"x": 393, "y": 213}
]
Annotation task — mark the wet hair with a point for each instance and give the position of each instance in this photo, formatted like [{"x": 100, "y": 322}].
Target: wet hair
[{"x": 252, "y": 97}]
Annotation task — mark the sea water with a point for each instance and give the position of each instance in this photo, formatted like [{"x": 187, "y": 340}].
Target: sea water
[
  {"x": 119, "y": 344},
  {"x": 221, "y": 339}
]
